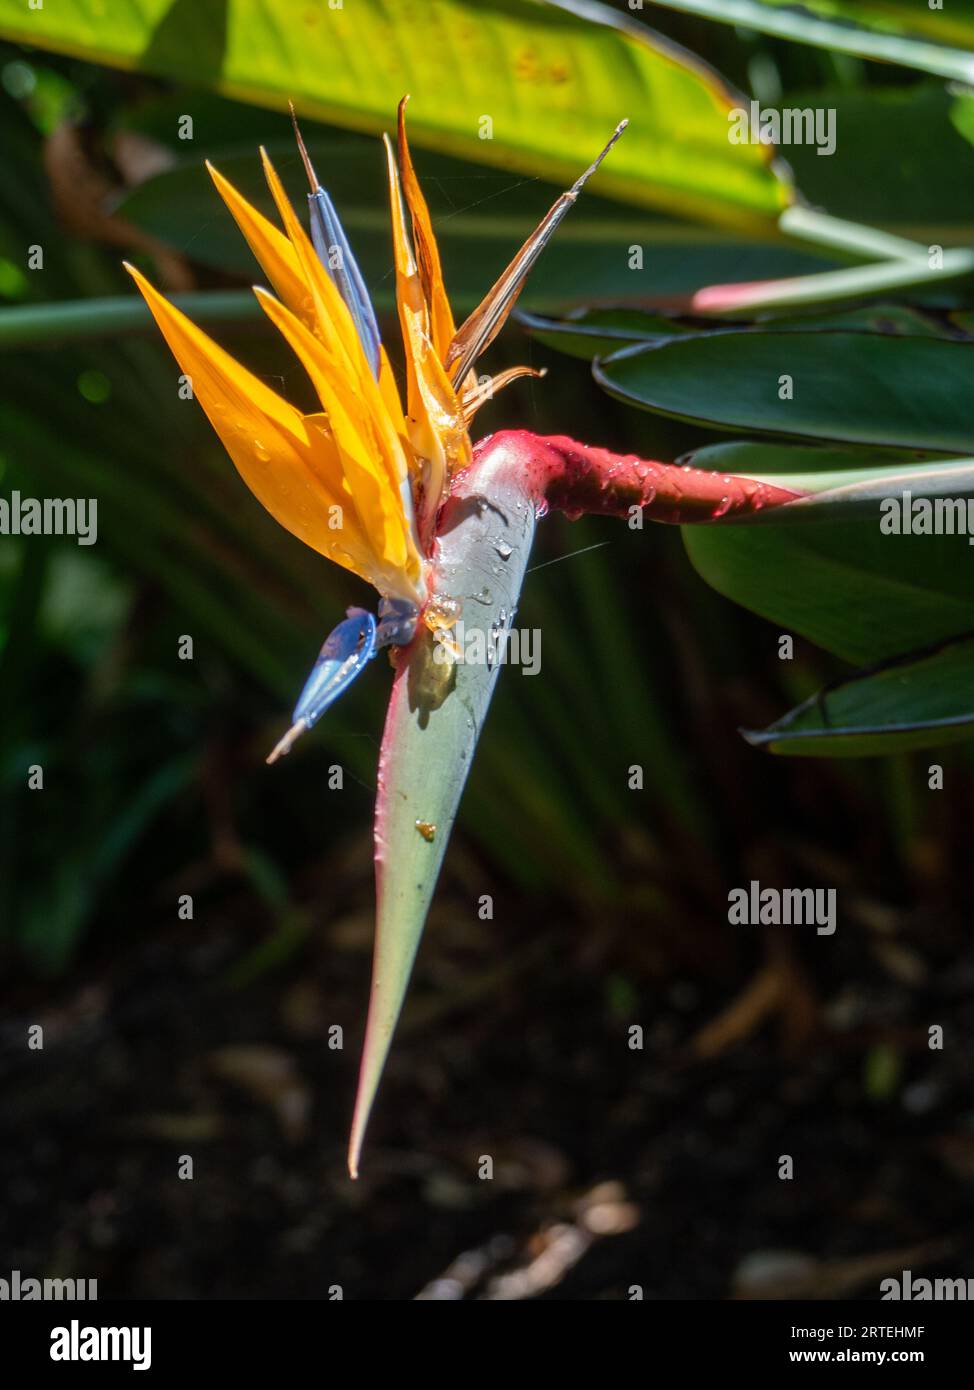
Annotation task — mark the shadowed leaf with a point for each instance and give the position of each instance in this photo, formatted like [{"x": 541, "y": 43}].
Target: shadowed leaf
[{"x": 920, "y": 701}]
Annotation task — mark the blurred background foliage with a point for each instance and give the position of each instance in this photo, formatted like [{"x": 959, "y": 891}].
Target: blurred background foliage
[
  {"x": 153, "y": 767},
  {"x": 154, "y": 780}
]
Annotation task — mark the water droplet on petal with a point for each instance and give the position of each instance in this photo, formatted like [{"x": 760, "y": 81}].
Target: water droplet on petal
[
  {"x": 504, "y": 550},
  {"x": 427, "y": 830},
  {"x": 261, "y": 451}
]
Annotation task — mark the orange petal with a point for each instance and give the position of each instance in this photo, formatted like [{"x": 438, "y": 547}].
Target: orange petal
[
  {"x": 485, "y": 391},
  {"x": 334, "y": 325},
  {"x": 290, "y": 466},
  {"x": 372, "y": 482},
  {"x": 442, "y": 325},
  {"x": 480, "y": 329},
  {"x": 275, "y": 254},
  {"x": 434, "y": 418}
]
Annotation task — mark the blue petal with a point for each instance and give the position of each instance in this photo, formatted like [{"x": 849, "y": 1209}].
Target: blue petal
[
  {"x": 346, "y": 651},
  {"x": 332, "y": 245}
]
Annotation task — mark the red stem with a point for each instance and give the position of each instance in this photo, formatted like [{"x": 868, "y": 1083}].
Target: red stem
[{"x": 580, "y": 478}]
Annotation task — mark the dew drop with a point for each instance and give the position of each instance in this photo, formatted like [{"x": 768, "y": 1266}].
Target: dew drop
[
  {"x": 722, "y": 508},
  {"x": 261, "y": 451},
  {"x": 427, "y": 830},
  {"x": 504, "y": 550}
]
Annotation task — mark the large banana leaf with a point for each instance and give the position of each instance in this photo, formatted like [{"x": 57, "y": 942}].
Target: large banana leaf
[{"x": 516, "y": 83}]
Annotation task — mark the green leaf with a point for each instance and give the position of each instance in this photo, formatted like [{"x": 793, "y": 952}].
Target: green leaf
[
  {"x": 857, "y": 387},
  {"x": 846, "y": 587},
  {"x": 833, "y": 477},
  {"x": 840, "y": 483},
  {"x": 920, "y": 168},
  {"x": 922, "y": 700},
  {"x": 596, "y": 332},
  {"x": 553, "y": 84},
  {"x": 890, "y": 31},
  {"x": 837, "y": 286},
  {"x": 43, "y": 325}
]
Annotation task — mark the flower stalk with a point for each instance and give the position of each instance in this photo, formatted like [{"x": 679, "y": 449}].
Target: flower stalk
[{"x": 560, "y": 473}]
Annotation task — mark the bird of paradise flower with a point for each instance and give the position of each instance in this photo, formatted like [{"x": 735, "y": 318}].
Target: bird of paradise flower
[
  {"x": 362, "y": 480},
  {"x": 369, "y": 484}
]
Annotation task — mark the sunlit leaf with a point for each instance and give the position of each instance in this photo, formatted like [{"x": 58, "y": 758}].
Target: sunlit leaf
[
  {"x": 890, "y": 31},
  {"x": 525, "y": 86}
]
